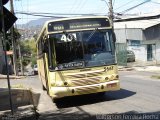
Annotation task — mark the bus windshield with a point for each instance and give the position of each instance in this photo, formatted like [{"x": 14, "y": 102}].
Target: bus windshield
[{"x": 81, "y": 49}]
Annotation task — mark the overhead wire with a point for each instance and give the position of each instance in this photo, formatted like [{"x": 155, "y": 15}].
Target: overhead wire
[
  {"x": 81, "y": 5},
  {"x": 49, "y": 14},
  {"x": 113, "y": 3},
  {"x": 155, "y": 2},
  {"x": 44, "y": 13},
  {"x": 124, "y": 4},
  {"x": 72, "y": 6},
  {"x": 22, "y": 10},
  {"x": 124, "y": 11},
  {"x": 76, "y": 5}
]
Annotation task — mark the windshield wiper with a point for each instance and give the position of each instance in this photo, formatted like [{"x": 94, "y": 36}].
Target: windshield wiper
[{"x": 92, "y": 33}]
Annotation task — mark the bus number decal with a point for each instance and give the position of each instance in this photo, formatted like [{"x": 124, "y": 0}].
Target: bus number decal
[
  {"x": 108, "y": 68},
  {"x": 69, "y": 37},
  {"x": 64, "y": 38}
]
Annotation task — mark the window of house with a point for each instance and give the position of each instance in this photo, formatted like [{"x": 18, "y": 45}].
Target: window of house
[{"x": 134, "y": 42}]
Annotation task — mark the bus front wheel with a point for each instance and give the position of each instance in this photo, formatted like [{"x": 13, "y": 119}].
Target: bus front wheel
[{"x": 44, "y": 88}]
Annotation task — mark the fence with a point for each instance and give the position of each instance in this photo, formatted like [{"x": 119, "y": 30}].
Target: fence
[{"x": 121, "y": 52}]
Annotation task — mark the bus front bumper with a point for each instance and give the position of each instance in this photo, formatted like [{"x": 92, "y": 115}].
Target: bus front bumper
[{"x": 59, "y": 92}]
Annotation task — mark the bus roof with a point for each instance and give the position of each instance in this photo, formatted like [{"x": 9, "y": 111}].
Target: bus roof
[
  {"x": 72, "y": 18},
  {"x": 44, "y": 29}
]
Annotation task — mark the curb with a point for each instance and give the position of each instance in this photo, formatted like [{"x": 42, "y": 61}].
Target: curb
[
  {"x": 125, "y": 69},
  {"x": 11, "y": 77}
]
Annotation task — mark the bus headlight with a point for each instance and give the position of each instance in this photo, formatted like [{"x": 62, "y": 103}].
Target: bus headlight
[
  {"x": 61, "y": 83},
  {"x": 106, "y": 78},
  {"x": 117, "y": 77},
  {"x": 52, "y": 82},
  {"x": 111, "y": 77}
]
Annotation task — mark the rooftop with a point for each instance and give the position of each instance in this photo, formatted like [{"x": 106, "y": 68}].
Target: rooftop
[{"x": 141, "y": 24}]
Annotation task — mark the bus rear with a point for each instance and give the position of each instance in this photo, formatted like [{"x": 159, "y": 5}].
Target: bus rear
[{"x": 80, "y": 57}]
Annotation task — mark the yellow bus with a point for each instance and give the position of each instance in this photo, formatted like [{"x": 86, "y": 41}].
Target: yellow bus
[{"x": 76, "y": 56}]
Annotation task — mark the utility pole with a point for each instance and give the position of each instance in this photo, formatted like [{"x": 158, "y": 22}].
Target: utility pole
[
  {"x": 5, "y": 54},
  {"x": 111, "y": 16},
  {"x": 20, "y": 58},
  {"x": 110, "y": 13},
  {"x": 13, "y": 43}
]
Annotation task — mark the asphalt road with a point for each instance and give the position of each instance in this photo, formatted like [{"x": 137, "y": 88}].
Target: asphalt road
[{"x": 139, "y": 94}]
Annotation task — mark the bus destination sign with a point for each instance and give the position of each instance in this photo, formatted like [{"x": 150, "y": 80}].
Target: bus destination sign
[{"x": 78, "y": 24}]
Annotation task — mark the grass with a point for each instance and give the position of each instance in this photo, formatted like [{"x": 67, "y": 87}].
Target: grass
[
  {"x": 17, "y": 86},
  {"x": 155, "y": 76}
]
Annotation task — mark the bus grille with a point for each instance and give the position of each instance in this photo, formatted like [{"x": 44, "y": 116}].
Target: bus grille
[
  {"x": 85, "y": 75},
  {"x": 86, "y": 81},
  {"x": 90, "y": 89}
]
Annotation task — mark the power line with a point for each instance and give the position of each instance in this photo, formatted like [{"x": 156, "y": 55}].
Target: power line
[
  {"x": 135, "y": 6},
  {"x": 73, "y": 6},
  {"x": 50, "y": 14},
  {"x": 37, "y": 15},
  {"x": 76, "y": 5},
  {"x": 124, "y": 5},
  {"x": 114, "y": 2},
  {"x": 82, "y": 5},
  {"x": 155, "y": 2}
]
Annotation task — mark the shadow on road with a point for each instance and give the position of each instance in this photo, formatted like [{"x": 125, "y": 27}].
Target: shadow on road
[
  {"x": 93, "y": 98},
  {"x": 20, "y": 97},
  {"x": 130, "y": 115}
]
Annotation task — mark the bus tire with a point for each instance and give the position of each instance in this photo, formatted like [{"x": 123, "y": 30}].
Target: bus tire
[
  {"x": 55, "y": 100},
  {"x": 44, "y": 88},
  {"x": 101, "y": 93}
]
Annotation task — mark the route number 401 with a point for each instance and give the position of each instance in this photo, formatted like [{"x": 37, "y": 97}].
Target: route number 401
[{"x": 69, "y": 37}]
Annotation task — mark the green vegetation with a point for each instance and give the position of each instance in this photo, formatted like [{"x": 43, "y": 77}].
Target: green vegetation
[
  {"x": 28, "y": 50},
  {"x": 155, "y": 76},
  {"x": 9, "y": 39},
  {"x": 17, "y": 86}
]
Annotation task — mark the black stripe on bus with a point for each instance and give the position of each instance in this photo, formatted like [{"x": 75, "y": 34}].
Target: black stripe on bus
[{"x": 40, "y": 55}]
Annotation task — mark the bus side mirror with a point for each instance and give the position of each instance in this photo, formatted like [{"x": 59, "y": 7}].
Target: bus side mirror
[
  {"x": 114, "y": 37},
  {"x": 45, "y": 48}
]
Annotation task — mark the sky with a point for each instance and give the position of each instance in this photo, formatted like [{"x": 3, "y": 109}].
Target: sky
[{"x": 79, "y": 7}]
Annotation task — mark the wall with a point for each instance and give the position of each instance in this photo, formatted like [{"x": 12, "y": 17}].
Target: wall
[
  {"x": 158, "y": 52},
  {"x": 139, "y": 51},
  {"x": 127, "y": 33},
  {"x": 120, "y": 35},
  {"x": 152, "y": 33},
  {"x": 152, "y": 36},
  {"x": 134, "y": 33}
]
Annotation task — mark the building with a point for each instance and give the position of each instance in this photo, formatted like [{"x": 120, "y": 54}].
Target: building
[{"x": 142, "y": 36}]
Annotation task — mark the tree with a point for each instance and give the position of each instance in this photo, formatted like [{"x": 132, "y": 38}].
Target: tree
[
  {"x": 17, "y": 36},
  {"x": 28, "y": 50}
]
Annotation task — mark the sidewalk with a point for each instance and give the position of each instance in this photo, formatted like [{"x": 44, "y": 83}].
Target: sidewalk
[
  {"x": 11, "y": 77},
  {"x": 140, "y": 68},
  {"x": 24, "y": 102},
  {"x": 148, "y": 68},
  {"x": 22, "y": 113}
]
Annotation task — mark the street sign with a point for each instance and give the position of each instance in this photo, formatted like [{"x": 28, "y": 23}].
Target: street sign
[{"x": 9, "y": 19}]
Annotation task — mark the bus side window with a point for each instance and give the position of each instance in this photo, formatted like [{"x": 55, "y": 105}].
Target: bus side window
[
  {"x": 45, "y": 47},
  {"x": 39, "y": 47}
]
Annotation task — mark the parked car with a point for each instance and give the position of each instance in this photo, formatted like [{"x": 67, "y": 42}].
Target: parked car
[
  {"x": 35, "y": 69},
  {"x": 125, "y": 56},
  {"x": 130, "y": 56}
]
